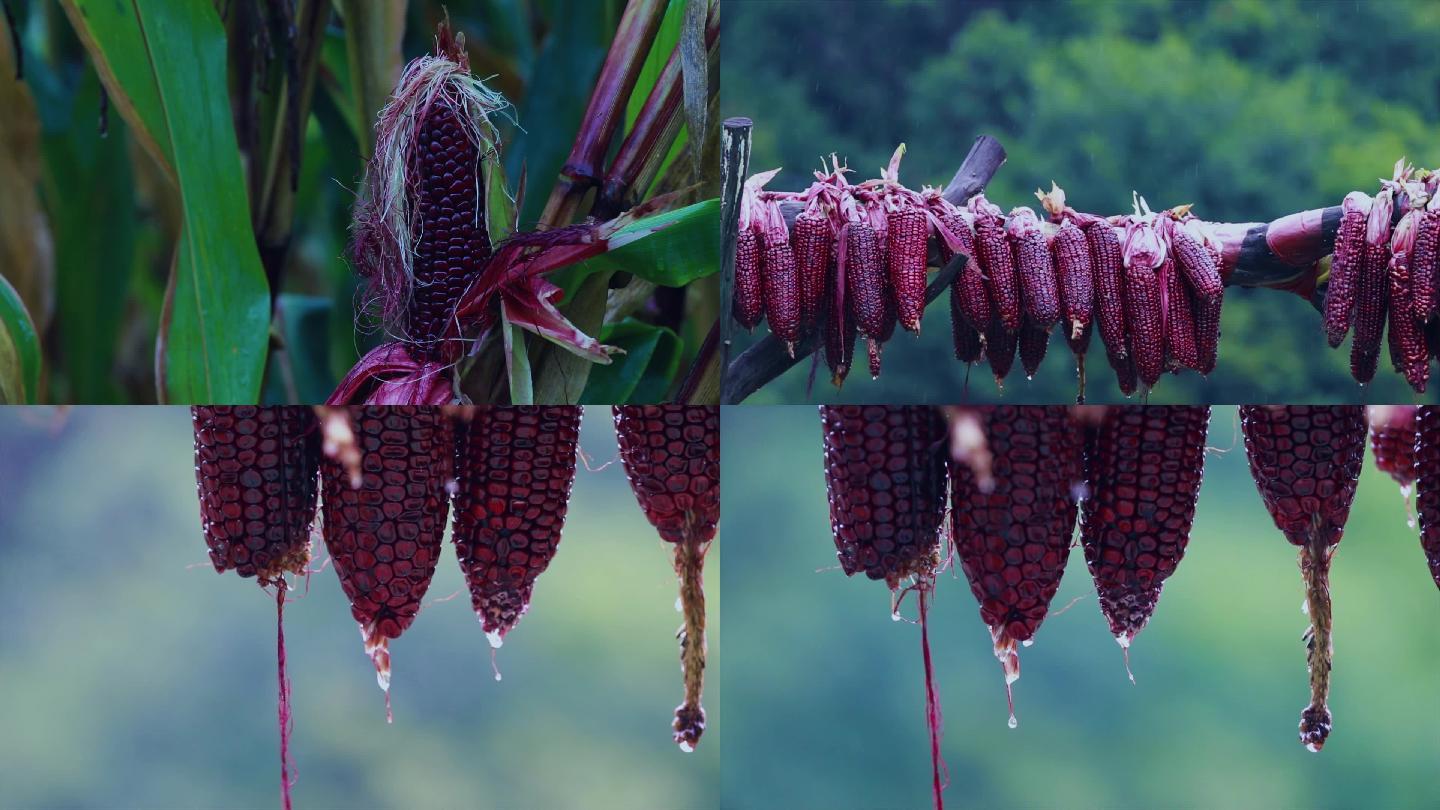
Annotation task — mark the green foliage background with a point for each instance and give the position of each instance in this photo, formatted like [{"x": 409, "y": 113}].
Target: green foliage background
[
  {"x": 136, "y": 677},
  {"x": 1250, "y": 109},
  {"x": 827, "y": 697}
]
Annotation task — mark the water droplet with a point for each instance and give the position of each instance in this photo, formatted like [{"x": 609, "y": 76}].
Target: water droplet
[
  {"x": 687, "y": 747},
  {"x": 1305, "y": 608},
  {"x": 1014, "y": 723},
  {"x": 895, "y": 617},
  {"x": 1123, "y": 640},
  {"x": 497, "y": 676},
  {"x": 679, "y": 606},
  {"x": 496, "y": 639},
  {"x": 1312, "y": 748},
  {"x": 1029, "y": 642}
]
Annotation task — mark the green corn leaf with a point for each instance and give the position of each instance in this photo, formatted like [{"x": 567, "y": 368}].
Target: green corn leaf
[
  {"x": 644, "y": 373},
  {"x": 19, "y": 349},
  {"x": 670, "y": 249},
  {"x": 163, "y": 64},
  {"x": 517, "y": 362}
]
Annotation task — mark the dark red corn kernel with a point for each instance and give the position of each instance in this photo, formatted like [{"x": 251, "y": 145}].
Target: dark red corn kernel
[
  {"x": 812, "y": 239},
  {"x": 1033, "y": 340},
  {"x": 865, "y": 279},
  {"x": 1143, "y": 468},
  {"x": 1306, "y": 461},
  {"x": 1109, "y": 270},
  {"x": 1196, "y": 263},
  {"x": 1424, "y": 267},
  {"x": 1427, "y": 484},
  {"x": 965, "y": 338},
  {"x": 255, "y": 472},
  {"x": 1392, "y": 442},
  {"x": 1013, "y": 539},
  {"x": 749, "y": 288},
  {"x": 907, "y": 239},
  {"x": 384, "y": 535},
  {"x": 451, "y": 242},
  {"x": 969, "y": 284},
  {"x": 671, "y": 455},
  {"x": 1000, "y": 345},
  {"x": 1071, "y": 252},
  {"x": 1145, "y": 326},
  {"x": 782, "y": 291},
  {"x": 885, "y": 474},
  {"x": 1034, "y": 267},
  {"x": 1345, "y": 267},
  {"x": 1181, "y": 347},
  {"x": 514, "y": 467}
]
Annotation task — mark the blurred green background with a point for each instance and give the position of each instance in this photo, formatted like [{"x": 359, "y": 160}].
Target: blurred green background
[
  {"x": 134, "y": 676},
  {"x": 1250, "y": 109},
  {"x": 827, "y": 697}
]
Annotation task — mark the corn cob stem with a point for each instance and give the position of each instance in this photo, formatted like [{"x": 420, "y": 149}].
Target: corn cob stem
[
  {"x": 689, "y": 567},
  {"x": 1315, "y": 568},
  {"x": 283, "y": 679}
]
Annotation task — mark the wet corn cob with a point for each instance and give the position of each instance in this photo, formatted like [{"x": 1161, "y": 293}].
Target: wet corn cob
[
  {"x": 966, "y": 341},
  {"x": 1427, "y": 484},
  {"x": 1181, "y": 347},
  {"x": 812, "y": 240},
  {"x": 1424, "y": 267},
  {"x": 384, "y": 531},
  {"x": 996, "y": 263},
  {"x": 1034, "y": 267},
  {"x": 749, "y": 287},
  {"x": 1207, "y": 334},
  {"x": 255, "y": 472},
  {"x": 514, "y": 467},
  {"x": 1346, "y": 266},
  {"x": 1372, "y": 291},
  {"x": 781, "y": 279},
  {"x": 1033, "y": 342},
  {"x": 1143, "y": 467},
  {"x": 885, "y": 473},
  {"x": 907, "y": 248},
  {"x": 1392, "y": 442},
  {"x": 1013, "y": 538},
  {"x": 1196, "y": 263},
  {"x": 864, "y": 274},
  {"x": 1107, "y": 264},
  {"x": 1071, "y": 253},
  {"x": 968, "y": 286},
  {"x": 1406, "y": 333},
  {"x": 885, "y": 477},
  {"x": 1125, "y": 376},
  {"x": 1306, "y": 461},
  {"x": 671, "y": 455},
  {"x": 1144, "y": 322},
  {"x": 1000, "y": 345}
]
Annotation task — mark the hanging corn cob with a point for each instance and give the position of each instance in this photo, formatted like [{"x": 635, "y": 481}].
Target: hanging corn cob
[
  {"x": 383, "y": 527},
  {"x": 514, "y": 466},
  {"x": 1306, "y": 461},
  {"x": 1427, "y": 484},
  {"x": 671, "y": 455},
  {"x": 885, "y": 476},
  {"x": 781, "y": 278},
  {"x": 1143, "y": 466},
  {"x": 255, "y": 473},
  {"x": 1013, "y": 537},
  {"x": 1392, "y": 442}
]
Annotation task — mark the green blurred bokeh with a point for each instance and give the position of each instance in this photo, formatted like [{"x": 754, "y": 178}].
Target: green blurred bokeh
[
  {"x": 827, "y": 697},
  {"x": 1250, "y": 109},
  {"x": 134, "y": 676}
]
